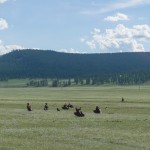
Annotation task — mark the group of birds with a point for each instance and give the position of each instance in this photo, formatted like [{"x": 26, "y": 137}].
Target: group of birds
[
  {"x": 78, "y": 112},
  {"x": 29, "y": 108}
]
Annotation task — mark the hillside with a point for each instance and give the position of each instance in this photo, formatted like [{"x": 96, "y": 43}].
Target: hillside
[{"x": 42, "y": 64}]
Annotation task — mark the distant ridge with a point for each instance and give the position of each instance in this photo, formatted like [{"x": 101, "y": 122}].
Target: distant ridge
[{"x": 47, "y": 63}]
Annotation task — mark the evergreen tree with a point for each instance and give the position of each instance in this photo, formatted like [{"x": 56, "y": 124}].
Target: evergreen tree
[{"x": 55, "y": 83}]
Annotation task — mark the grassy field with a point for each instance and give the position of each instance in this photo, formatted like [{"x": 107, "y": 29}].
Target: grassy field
[{"x": 122, "y": 126}]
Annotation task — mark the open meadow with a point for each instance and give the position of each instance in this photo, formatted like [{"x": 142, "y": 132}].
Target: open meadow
[{"x": 122, "y": 126}]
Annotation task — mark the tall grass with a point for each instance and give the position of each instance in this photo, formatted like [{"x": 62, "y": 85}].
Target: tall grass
[{"x": 122, "y": 126}]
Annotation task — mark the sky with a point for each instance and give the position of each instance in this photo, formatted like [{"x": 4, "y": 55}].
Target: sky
[{"x": 75, "y": 26}]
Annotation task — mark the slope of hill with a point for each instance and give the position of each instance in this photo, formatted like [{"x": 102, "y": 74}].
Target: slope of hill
[{"x": 39, "y": 63}]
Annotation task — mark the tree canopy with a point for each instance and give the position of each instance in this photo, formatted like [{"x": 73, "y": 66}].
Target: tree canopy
[{"x": 51, "y": 64}]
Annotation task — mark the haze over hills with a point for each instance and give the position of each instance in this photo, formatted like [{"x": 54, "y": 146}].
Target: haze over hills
[{"x": 51, "y": 64}]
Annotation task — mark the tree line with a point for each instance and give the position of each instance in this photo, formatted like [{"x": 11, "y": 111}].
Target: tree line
[{"x": 133, "y": 78}]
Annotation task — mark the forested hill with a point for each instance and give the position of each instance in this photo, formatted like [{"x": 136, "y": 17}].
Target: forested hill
[{"x": 42, "y": 64}]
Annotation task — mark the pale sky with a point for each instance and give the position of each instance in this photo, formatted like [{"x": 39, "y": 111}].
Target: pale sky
[{"x": 76, "y": 26}]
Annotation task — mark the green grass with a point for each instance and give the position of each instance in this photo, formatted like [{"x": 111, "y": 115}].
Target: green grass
[
  {"x": 14, "y": 83},
  {"x": 123, "y": 126}
]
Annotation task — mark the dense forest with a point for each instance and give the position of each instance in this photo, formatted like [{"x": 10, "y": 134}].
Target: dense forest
[{"x": 123, "y": 68}]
